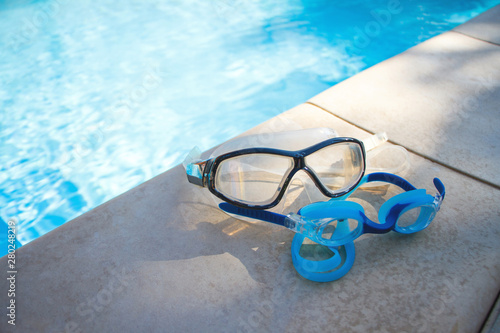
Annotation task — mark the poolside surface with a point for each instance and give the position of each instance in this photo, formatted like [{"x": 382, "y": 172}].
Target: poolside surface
[{"x": 161, "y": 258}]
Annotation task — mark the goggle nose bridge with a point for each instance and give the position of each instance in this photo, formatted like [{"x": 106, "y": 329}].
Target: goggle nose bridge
[
  {"x": 300, "y": 165},
  {"x": 299, "y": 160}
]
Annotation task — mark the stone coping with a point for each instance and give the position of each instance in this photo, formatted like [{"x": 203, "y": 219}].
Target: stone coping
[
  {"x": 484, "y": 27},
  {"x": 160, "y": 257}
]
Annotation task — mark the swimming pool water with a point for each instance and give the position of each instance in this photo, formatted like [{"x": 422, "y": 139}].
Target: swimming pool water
[{"x": 97, "y": 97}]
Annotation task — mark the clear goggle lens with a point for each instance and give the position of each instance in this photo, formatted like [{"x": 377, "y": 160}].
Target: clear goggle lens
[
  {"x": 415, "y": 219},
  {"x": 338, "y": 166},
  {"x": 253, "y": 178}
]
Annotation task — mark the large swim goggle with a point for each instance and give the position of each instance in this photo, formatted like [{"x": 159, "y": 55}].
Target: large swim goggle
[
  {"x": 337, "y": 222},
  {"x": 258, "y": 177}
]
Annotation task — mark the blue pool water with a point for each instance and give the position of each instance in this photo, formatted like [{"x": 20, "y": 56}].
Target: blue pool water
[{"x": 97, "y": 97}]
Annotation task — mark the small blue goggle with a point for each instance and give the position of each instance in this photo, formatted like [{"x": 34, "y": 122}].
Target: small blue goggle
[{"x": 338, "y": 222}]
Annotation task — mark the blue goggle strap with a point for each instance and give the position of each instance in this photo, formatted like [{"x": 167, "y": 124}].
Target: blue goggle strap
[
  {"x": 323, "y": 270},
  {"x": 262, "y": 215}
]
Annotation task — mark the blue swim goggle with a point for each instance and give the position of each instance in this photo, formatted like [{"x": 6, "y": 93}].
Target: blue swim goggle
[{"x": 338, "y": 222}]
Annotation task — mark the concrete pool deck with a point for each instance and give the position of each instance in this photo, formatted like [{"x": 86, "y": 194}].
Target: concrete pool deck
[{"x": 161, "y": 258}]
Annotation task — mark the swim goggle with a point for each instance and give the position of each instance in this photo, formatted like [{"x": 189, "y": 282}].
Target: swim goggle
[
  {"x": 338, "y": 222},
  {"x": 258, "y": 177}
]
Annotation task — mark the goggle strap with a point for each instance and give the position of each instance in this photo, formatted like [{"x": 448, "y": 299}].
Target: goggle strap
[
  {"x": 390, "y": 178},
  {"x": 195, "y": 167},
  {"x": 193, "y": 155},
  {"x": 262, "y": 215},
  {"x": 325, "y": 270},
  {"x": 317, "y": 266},
  {"x": 374, "y": 141},
  {"x": 440, "y": 187}
]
